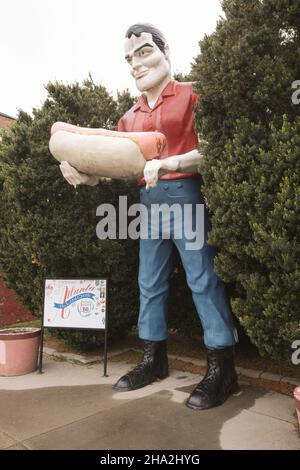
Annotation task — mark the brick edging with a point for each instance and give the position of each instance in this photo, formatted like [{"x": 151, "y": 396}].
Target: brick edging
[{"x": 256, "y": 374}]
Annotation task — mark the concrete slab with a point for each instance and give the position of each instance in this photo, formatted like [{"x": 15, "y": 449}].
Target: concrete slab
[
  {"x": 37, "y": 403},
  {"x": 6, "y": 440},
  {"x": 74, "y": 407},
  {"x": 154, "y": 422},
  {"x": 17, "y": 447},
  {"x": 255, "y": 374},
  {"x": 26, "y": 413},
  {"x": 158, "y": 422},
  {"x": 249, "y": 430},
  {"x": 263, "y": 402},
  {"x": 273, "y": 405},
  {"x": 58, "y": 373}
]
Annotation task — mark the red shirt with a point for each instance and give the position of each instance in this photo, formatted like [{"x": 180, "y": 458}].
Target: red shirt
[{"x": 173, "y": 115}]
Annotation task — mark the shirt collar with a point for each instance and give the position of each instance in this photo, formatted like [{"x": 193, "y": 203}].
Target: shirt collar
[{"x": 142, "y": 104}]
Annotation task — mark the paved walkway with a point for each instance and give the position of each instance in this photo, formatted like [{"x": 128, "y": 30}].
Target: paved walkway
[{"x": 73, "y": 407}]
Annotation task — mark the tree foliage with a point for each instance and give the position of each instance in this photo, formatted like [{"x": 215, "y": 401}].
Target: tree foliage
[
  {"x": 244, "y": 76},
  {"x": 47, "y": 227}
]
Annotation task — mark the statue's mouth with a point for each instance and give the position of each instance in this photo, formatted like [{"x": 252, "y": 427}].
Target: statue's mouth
[{"x": 141, "y": 75}]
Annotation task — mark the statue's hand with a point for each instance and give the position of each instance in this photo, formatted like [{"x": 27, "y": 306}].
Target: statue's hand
[
  {"x": 155, "y": 168},
  {"x": 74, "y": 177},
  {"x": 152, "y": 173}
]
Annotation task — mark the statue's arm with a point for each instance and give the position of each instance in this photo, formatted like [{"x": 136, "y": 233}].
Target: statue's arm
[
  {"x": 189, "y": 162},
  {"x": 186, "y": 163}
]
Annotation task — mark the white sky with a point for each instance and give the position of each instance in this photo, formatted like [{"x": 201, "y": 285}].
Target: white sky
[{"x": 64, "y": 40}]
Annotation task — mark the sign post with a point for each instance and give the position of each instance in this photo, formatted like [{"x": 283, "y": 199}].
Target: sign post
[{"x": 79, "y": 304}]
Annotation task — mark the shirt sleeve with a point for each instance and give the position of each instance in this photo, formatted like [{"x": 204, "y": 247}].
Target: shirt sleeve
[
  {"x": 195, "y": 101},
  {"x": 121, "y": 127},
  {"x": 195, "y": 98}
]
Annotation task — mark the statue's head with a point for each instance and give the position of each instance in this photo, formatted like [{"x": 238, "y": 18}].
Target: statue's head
[{"x": 147, "y": 53}]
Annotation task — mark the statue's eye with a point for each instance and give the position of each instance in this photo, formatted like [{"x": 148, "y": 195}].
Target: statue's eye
[{"x": 144, "y": 51}]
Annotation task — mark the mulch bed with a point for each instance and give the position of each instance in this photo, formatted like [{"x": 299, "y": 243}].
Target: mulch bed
[{"x": 11, "y": 309}]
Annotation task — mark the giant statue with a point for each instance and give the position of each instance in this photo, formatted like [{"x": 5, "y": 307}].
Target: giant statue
[{"x": 156, "y": 143}]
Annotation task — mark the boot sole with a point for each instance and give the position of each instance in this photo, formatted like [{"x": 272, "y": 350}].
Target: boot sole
[{"x": 233, "y": 389}]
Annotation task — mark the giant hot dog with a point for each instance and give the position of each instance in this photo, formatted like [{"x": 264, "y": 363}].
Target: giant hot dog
[{"x": 105, "y": 153}]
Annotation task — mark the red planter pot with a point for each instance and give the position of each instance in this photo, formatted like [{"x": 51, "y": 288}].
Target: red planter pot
[
  {"x": 297, "y": 398},
  {"x": 19, "y": 349}
]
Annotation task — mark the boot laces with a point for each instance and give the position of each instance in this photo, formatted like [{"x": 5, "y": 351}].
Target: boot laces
[
  {"x": 215, "y": 375},
  {"x": 209, "y": 381},
  {"x": 145, "y": 362}
]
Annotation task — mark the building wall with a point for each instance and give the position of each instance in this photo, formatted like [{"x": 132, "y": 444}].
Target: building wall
[{"x": 5, "y": 122}]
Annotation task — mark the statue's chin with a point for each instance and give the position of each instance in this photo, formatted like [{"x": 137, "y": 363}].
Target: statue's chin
[
  {"x": 142, "y": 85},
  {"x": 145, "y": 83},
  {"x": 148, "y": 82}
]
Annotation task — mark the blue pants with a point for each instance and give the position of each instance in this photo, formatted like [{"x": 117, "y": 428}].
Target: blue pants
[{"x": 156, "y": 267}]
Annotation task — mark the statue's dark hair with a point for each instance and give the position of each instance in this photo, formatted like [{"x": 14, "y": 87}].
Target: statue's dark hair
[{"x": 139, "y": 28}]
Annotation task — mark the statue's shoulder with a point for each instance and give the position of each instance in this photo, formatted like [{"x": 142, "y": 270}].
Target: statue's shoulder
[
  {"x": 130, "y": 113},
  {"x": 126, "y": 121},
  {"x": 185, "y": 92},
  {"x": 185, "y": 86}
]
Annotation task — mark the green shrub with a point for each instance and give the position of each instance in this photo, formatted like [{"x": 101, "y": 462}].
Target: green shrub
[
  {"x": 48, "y": 227},
  {"x": 251, "y": 175}
]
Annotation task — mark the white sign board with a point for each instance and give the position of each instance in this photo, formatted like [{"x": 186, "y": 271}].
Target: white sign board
[{"x": 75, "y": 303}]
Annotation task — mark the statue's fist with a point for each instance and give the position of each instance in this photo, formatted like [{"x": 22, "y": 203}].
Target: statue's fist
[{"x": 151, "y": 173}]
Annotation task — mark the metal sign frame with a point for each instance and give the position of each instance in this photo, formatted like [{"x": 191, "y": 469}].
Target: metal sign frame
[{"x": 74, "y": 328}]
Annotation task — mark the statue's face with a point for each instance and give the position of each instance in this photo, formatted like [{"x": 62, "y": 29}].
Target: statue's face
[{"x": 149, "y": 65}]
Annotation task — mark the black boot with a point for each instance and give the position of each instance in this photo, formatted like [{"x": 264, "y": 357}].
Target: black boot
[
  {"x": 153, "y": 366},
  {"x": 219, "y": 382}
]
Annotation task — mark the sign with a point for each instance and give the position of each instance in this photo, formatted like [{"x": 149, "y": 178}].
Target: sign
[{"x": 75, "y": 303}]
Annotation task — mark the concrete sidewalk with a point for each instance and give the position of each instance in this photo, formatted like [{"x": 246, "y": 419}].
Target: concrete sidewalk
[{"x": 73, "y": 407}]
